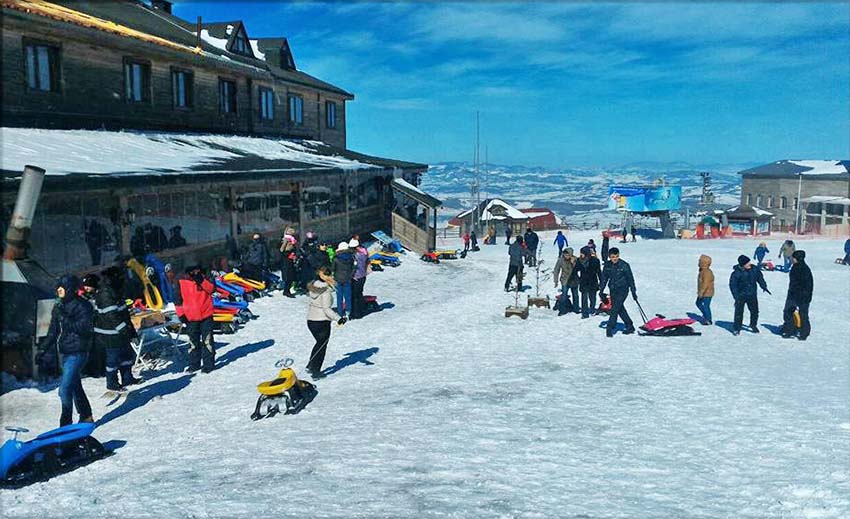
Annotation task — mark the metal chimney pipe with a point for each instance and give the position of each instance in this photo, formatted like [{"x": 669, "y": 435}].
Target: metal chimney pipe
[{"x": 17, "y": 236}]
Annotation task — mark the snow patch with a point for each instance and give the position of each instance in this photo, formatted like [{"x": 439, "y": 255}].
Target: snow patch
[
  {"x": 255, "y": 48},
  {"x": 820, "y": 167},
  {"x": 219, "y": 43}
]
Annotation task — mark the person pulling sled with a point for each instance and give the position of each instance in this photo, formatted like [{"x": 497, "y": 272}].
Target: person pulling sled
[{"x": 617, "y": 276}]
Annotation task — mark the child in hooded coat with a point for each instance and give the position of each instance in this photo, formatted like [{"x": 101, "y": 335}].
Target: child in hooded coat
[{"x": 705, "y": 288}]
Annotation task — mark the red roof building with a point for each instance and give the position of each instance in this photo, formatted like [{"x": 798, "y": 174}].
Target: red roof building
[{"x": 541, "y": 219}]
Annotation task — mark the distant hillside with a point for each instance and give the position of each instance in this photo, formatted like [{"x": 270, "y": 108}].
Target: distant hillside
[{"x": 575, "y": 193}]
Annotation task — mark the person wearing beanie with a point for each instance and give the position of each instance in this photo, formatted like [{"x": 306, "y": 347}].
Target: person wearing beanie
[
  {"x": 194, "y": 304},
  {"x": 563, "y": 274},
  {"x": 705, "y": 288},
  {"x": 343, "y": 275},
  {"x": 358, "y": 282},
  {"x": 617, "y": 275},
  {"x": 590, "y": 274},
  {"x": 70, "y": 333},
  {"x": 742, "y": 284},
  {"x": 800, "y": 288},
  {"x": 113, "y": 331}
]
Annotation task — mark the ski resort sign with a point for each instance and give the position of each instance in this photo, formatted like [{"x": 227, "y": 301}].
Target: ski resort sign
[{"x": 638, "y": 199}]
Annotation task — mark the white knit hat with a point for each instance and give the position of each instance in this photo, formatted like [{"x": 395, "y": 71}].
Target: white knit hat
[
  {"x": 342, "y": 246},
  {"x": 353, "y": 243}
]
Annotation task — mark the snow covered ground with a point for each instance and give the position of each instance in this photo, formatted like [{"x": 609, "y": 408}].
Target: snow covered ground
[{"x": 442, "y": 407}]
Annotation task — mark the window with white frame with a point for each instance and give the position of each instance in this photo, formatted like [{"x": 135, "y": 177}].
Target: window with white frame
[
  {"x": 749, "y": 199},
  {"x": 758, "y": 200},
  {"x": 181, "y": 88},
  {"x": 227, "y": 96}
]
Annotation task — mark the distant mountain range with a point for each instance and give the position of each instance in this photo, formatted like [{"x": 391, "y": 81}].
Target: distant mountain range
[{"x": 578, "y": 193}]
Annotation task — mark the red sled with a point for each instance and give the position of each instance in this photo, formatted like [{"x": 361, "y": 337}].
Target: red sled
[
  {"x": 660, "y": 326},
  {"x": 604, "y": 304}
]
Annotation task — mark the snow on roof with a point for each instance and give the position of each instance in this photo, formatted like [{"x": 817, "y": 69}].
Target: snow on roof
[
  {"x": 746, "y": 209},
  {"x": 510, "y": 212},
  {"x": 219, "y": 43},
  {"x": 63, "y": 152},
  {"x": 835, "y": 200},
  {"x": 256, "y": 48},
  {"x": 820, "y": 167},
  {"x": 404, "y": 183}
]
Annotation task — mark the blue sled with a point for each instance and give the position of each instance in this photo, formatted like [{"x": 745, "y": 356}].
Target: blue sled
[
  {"x": 239, "y": 305},
  {"x": 49, "y": 454},
  {"x": 230, "y": 288}
]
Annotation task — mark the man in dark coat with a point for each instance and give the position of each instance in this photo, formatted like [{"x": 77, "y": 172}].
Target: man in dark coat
[
  {"x": 70, "y": 333},
  {"x": 516, "y": 254},
  {"x": 113, "y": 330},
  {"x": 742, "y": 284},
  {"x": 508, "y": 233},
  {"x": 531, "y": 241},
  {"x": 590, "y": 275},
  {"x": 617, "y": 276},
  {"x": 800, "y": 287},
  {"x": 256, "y": 259}
]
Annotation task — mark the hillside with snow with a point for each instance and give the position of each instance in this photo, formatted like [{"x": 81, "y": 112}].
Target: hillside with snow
[
  {"x": 579, "y": 194},
  {"x": 439, "y": 406}
]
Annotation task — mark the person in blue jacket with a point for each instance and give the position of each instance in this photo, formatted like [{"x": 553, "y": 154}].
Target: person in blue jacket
[
  {"x": 847, "y": 252},
  {"x": 761, "y": 252},
  {"x": 561, "y": 242},
  {"x": 71, "y": 332},
  {"x": 742, "y": 284}
]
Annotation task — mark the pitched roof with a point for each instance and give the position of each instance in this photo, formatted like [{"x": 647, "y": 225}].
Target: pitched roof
[
  {"x": 826, "y": 169},
  {"x": 415, "y": 193},
  {"x": 133, "y": 19},
  {"x": 747, "y": 211}
]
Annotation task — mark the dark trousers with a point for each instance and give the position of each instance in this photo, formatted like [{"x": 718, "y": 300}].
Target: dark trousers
[
  {"x": 287, "y": 274},
  {"x": 568, "y": 303},
  {"x": 753, "y": 306},
  {"x": 790, "y": 328},
  {"x": 465, "y": 246},
  {"x": 618, "y": 309},
  {"x": 201, "y": 345},
  {"x": 321, "y": 331},
  {"x": 514, "y": 271},
  {"x": 358, "y": 306},
  {"x": 71, "y": 392},
  {"x": 119, "y": 359},
  {"x": 588, "y": 302}
]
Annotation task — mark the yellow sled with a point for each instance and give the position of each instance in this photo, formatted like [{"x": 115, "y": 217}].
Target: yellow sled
[
  {"x": 446, "y": 253},
  {"x": 153, "y": 299},
  {"x": 223, "y": 318},
  {"x": 286, "y": 389},
  {"x": 232, "y": 277}
]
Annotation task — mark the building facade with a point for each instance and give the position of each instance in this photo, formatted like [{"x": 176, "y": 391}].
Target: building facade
[{"x": 784, "y": 188}]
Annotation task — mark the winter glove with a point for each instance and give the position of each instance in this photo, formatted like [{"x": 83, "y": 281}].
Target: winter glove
[{"x": 342, "y": 320}]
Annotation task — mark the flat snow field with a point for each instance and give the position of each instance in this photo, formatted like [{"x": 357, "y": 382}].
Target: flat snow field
[{"x": 442, "y": 407}]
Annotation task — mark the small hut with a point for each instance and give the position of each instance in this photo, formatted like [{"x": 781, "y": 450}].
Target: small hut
[{"x": 745, "y": 220}]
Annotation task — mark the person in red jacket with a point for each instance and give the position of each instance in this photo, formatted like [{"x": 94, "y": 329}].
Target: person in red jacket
[{"x": 193, "y": 300}]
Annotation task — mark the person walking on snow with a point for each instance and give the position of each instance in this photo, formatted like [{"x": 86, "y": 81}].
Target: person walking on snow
[
  {"x": 320, "y": 315},
  {"x": 466, "y": 239},
  {"x": 343, "y": 276},
  {"x": 361, "y": 270},
  {"x": 785, "y": 253},
  {"x": 565, "y": 275},
  {"x": 193, "y": 301},
  {"x": 705, "y": 288},
  {"x": 605, "y": 247},
  {"x": 800, "y": 288},
  {"x": 760, "y": 253},
  {"x": 288, "y": 247},
  {"x": 70, "y": 332},
  {"x": 742, "y": 284},
  {"x": 516, "y": 254},
  {"x": 508, "y": 233},
  {"x": 474, "y": 240},
  {"x": 617, "y": 276},
  {"x": 561, "y": 242},
  {"x": 114, "y": 330},
  {"x": 590, "y": 274}
]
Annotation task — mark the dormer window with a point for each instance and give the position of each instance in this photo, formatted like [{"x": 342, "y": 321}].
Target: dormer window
[{"x": 240, "y": 43}]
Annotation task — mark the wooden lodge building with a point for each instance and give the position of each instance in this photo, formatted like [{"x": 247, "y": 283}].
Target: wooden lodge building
[{"x": 175, "y": 137}]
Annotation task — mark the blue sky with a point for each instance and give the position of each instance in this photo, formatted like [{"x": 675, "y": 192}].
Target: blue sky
[{"x": 565, "y": 84}]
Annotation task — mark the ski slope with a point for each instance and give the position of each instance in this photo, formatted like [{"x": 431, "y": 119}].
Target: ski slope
[{"x": 442, "y": 407}]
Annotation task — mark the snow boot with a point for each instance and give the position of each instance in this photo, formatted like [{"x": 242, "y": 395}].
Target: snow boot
[
  {"x": 755, "y": 329},
  {"x": 112, "y": 381},
  {"x": 629, "y": 331},
  {"x": 127, "y": 378}
]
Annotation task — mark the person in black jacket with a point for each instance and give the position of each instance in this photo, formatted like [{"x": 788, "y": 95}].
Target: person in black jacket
[
  {"x": 800, "y": 287},
  {"x": 70, "y": 333},
  {"x": 617, "y": 275},
  {"x": 590, "y": 275},
  {"x": 742, "y": 284},
  {"x": 516, "y": 253},
  {"x": 256, "y": 259},
  {"x": 531, "y": 241},
  {"x": 113, "y": 330}
]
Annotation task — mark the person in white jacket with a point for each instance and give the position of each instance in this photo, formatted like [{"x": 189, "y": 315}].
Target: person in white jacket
[{"x": 319, "y": 318}]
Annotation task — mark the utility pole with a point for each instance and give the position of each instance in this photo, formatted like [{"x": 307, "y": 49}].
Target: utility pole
[{"x": 475, "y": 188}]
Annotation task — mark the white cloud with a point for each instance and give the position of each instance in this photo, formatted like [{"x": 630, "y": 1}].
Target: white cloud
[{"x": 484, "y": 23}]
